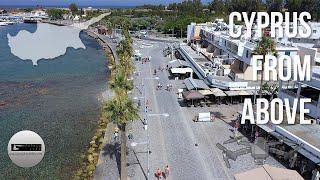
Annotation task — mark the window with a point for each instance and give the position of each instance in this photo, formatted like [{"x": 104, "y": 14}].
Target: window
[
  {"x": 314, "y": 31},
  {"x": 247, "y": 54},
  {"x": 287, "y": 53},
  {"x": 241, "y": 66}
]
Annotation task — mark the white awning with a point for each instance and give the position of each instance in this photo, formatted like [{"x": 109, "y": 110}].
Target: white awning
[
  {"x": 178, "y": 64},
  {"x": 181, "y": 70},
  {"x": 232, "y": 93},
  {"x": 205, "y": 92},
  {"x": 244, "y": 93},
  {"x": 217, "y": 92}
]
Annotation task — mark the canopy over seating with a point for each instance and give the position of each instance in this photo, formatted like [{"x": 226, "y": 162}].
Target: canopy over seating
[
  {"x": 181, "y": 70},
  {"x": 217, "y": 92},
  {"x": 267, "y": 172},
  {"x": 245, "y": 93},
  {"x": 192, "y": 95},
  {"x": 252, "y": 92},
  {"x": 232, "y": 93},
  {"x": 195, "y": 84},
  {"x": 205, "y": 92},
  {"x": 178, "y": 64}
]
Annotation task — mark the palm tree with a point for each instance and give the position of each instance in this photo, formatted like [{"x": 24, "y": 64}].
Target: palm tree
[
  {"x": 265, "y": 46},
  {"x": 119, "y": 82},
  {"x": 120, "y": 111},
  {"x": 272, "y": 89},
  {"x": 125, "y": 47},
  {"x": 125, "y": 52}
]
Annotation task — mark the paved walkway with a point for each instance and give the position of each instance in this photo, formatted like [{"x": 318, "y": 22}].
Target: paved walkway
[
  {"x": 108, "y": 166},
  {"x": 187, "y": 147}
]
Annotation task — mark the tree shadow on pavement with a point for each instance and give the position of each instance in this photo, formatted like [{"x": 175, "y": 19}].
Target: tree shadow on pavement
[
  {"x": 113, "y": 151},
  {"x": 218, "y": 115},
  {"x": 136, "y": 161}
]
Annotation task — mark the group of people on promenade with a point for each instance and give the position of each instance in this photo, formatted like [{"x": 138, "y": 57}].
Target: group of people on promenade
[
  {"x": 169, "y": 86},
  {"x": 145, "y": 60},
  {"x": 159, "y": 69},
  {"x": 165, "y": 173}
]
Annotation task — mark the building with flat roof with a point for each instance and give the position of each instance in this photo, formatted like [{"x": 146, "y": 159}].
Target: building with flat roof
[
  {"x": 236, "y": 53},
  {"x": 310, "y": 45},
  {"x": 306, "y": 89},
  {"x": 221, "y": 60}
]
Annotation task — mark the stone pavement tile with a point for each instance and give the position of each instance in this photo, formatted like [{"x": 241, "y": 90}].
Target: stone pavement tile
[
  {"x": 173, "y": 139},
  {"x": 109, "y": 159}
]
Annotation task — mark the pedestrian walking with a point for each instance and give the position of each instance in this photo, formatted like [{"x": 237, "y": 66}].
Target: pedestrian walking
[
  {"x": 139, "y": 103},
  {"x": 158, "y": 173},
  {"x": 256, "y": 135},
  {"x": 116, "y": 129},
  {"x": 166, "y": 171},
  {"x": 130, "y": 135},
  {"x": 115, "y": 136},
  {"x": 236, "y": 128}
]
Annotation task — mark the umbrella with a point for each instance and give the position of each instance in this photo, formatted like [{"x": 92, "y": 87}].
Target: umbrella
[{"x": 192, "y": 95}]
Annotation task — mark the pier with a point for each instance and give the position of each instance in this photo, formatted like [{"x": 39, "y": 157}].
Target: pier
[{"x": 58, "y": 22}]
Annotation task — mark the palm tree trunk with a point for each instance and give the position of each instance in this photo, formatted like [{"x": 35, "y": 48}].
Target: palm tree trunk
[{"x": 123, "y": 153}]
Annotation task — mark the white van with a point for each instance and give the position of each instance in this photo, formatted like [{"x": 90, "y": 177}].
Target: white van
[{"x": 204, "y": 117}]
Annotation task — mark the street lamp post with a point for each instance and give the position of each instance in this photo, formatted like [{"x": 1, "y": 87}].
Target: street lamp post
[
  {"x": 145, "y": 117},
  {"x": 148, "y": 140},
  {"x": 146, "y": 123}
]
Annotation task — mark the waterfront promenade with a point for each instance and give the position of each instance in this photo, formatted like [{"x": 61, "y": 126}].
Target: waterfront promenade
[
  {"x": 108, "y": 166},
  {"x": 187, "y": 147}
]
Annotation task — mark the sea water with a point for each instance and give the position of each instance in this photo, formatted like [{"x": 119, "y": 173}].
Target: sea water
[{"x": 58, "y": 99}]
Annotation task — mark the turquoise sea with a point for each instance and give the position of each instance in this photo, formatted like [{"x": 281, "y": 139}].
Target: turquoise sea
[{"x": 58, "y": 99}]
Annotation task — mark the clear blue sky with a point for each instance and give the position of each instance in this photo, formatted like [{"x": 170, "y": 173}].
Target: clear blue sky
[{"x": 87, "y": 2}]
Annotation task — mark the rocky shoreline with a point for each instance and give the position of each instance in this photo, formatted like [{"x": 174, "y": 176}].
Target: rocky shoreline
[{"x": 91, "y": 157}]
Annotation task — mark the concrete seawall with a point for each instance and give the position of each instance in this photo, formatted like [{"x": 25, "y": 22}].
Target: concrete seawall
[{"x": 103, "y": 41}]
